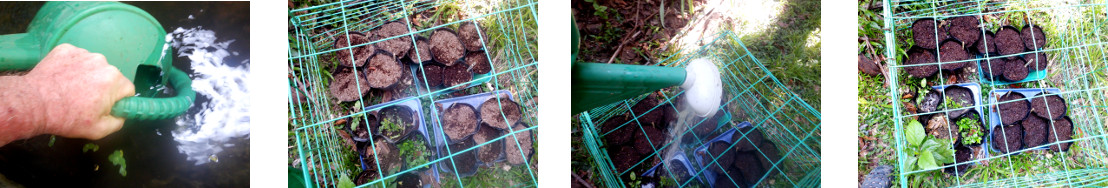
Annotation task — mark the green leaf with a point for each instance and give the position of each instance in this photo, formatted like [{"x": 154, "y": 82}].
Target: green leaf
[
  {"x": 926, "y": 161},
  {"x": 117, "y": 159},
  {"x": 914, "y": 133},
  {"x": 51, "y": 144},
  {"x": 911, "y": 161},
  {"x": 90, "y": 146},
  {"x": 344, "y": 182}
]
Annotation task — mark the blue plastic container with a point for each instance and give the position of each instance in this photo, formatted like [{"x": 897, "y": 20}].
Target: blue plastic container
[
  {"x": 678, "y": 157},
  {"x": 994, "y": 117},
  {"x": 703, "y": 160},
  {"x": 1031, "y": 75}
]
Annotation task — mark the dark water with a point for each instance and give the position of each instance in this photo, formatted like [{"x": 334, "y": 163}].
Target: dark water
[{"x": 151, "y": 153}]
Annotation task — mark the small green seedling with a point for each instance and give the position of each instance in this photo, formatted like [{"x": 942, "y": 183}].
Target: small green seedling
[
  {"x": 415, "y": 152},
  {"x": 390, "y": 125},
  {"x": 117, "y": 159},
  {"x": 90, "y": 146},
  {"x": 971, "y": 133},
  {"x": 925, "y": 151}
]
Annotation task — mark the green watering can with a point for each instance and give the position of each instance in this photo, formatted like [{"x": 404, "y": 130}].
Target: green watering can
[
  {"x": 129, "y": 38},
  {"x": 598, "y": 84}
]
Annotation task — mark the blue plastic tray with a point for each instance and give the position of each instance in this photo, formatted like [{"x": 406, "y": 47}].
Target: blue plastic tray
[
  {"x": 678, "y": 157},
  {"x": 474, "y": 100},
  {"x": 976, "y": 90},
  {"x": 703, "y": 160},
  {"x": 418, "y": 82},
  {"x": 1031, "y": 75},
  {"x": 994, "y": 117},
  {"x": 421, "y": 128}
]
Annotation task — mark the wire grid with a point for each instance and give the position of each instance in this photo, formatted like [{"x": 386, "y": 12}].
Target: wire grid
[
  {"x": 751, "y": 91},
  {"x": 513, "y": 59},
  {"x": 1075, "y": 44}
]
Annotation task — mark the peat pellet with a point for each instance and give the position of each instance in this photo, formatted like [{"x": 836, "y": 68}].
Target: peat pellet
[
  {"x": 616, "y": 135},
  {"x": 513, "y": 151},
  {"x": 1014, "y": 111},
  {"x": 1048, "y": 106},
  {"x": 383, "y": 70},
  {"x": 1034, "y": 131},
  {"x": 1008, "y": 138},
  {"x": 478, "y": 62},
  {"x": 919, "y": 56},
  {"x": 1015, "y": 70},
  {"x": 460, "y": 121},
  {"x": 724, "y": 157},
  {"x": 1033, "y": 37},
  {"x": 360, "y": 52},
  {"x": 464, "y": 162},
  {"x": 752, "y": 139},
  {"x": 345, "y": 87},
  {"x": 962, "y": 154},
  {"x": 446, "y": 47},
  {"x": 1036, "y": 61},
  {"x": 470, "y": 36},
  {"x": 500, "y": 112},
  {"x": 951, "y": 51},
  {"x": 924, "y": 33},
  {"x": 1061, "y": 130},
  {"x": 961, "y": 96},
  {"x": 397, "y": 46},
  {"x": 747, "y": 163},
  {"x": 456, "y": 74},
  {"x": 421, "y": 54},
  {"x": 650, "y": 141},
  {"x": 645, "y": 115},
  {"x": 432, "y": 73},
  {"x": 387, "y": 154},
  {"x": 965, "y": 29},
  {"x": 1008, "y": 41},
  {"x": 491, "y": 151},
  {"x": 987, "y": 43},
  {"x": 994, "y": 68},
  {"x": 768, "y": 149}
]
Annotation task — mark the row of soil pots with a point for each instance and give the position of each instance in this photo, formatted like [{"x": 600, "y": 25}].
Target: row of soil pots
[
  {"x": 740, "y": 161},
  {"x": 627, "y": 144},
  {"x": 1030, "y": 122},
  {"x": 465, "y": 127},
  {"x": 399, "y": 143},
  {"x": 456, "y": 56},
  {"x": 963, "y": 125},
  {"x": 961, "y": 38}
]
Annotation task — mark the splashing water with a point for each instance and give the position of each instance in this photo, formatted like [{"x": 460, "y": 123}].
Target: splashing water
[{"x": 226, "y": 115}]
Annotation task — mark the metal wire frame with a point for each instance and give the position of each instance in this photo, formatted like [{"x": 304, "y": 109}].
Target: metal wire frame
[
  {"x": 316, "y": 141},
  {"x": 750, "y": 90},
  {"x": 1080, "y": 56}
]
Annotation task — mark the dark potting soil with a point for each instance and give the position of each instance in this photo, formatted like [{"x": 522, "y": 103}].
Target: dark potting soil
[
  {"x": 753, "y": 138},
  {"x": 361, "y": 132},
  {"x": 489, "y": 152},
  {"x": 961, "y": 154},
  {"x": 360, "y": 53},
  {"x": 386, "y": 154},
  {"x": 401, "y": 115},
  {"x": 1048, "y": 106},
  {"x": 423, "y": 46},
  {"x": 407, "y": 180},
  {"x": 748, "y": 164},
  {"x": 433, "y": 74},
  {"x": 398, "y": 46},
  {"x": 625, "y": 153},
  {"x": 931, "y": 101},
  {"x": 619, "y": 136},
  {"x": 918, "y": 56},
  {"x": 1037, "y": 61},
  {"x": 987, "y": 44},
  {"x": 478, "y": 62},
  {"x": 650, "y": 142},
  {"x": 924, "y": 34},
  {"x": 1063, "y": 128},
  {"x": 1012, "y": 112},
  {"x": 345, "y": 87},
  {"x": 1033, "y": 37},
  {"x": 494, "y": 111},
  {"x": 961, "y": 96},
  {"x": 1034, "y": 131},
  {"x": 1008, "y": 41},
  {"x": 456, "y": 74},
  {"x": 446, "y": 47},
  {"x": 365, "y": 176},
  {"x": 466, "y": 161},
  {"x": 994, "y": 68},
  {"x": 1008, "y": 138},
  {"x": 725, "y": 182},
  {"x": 1016, "y": 70},
  {"x": 965, "y": 29},
  {"x": 655, "y": 117},
  {"x": 468, "y": 33},
  {"x": 725, "y": 156},
  {"x": 677, "y": 171},
  {"x": 513, "y": 151},
  {"x": 460, "y": 121},
  {"x": 384, "y": 70},
  {"x": 771, "y": 156},
  {"x": 951, "y": 50}
]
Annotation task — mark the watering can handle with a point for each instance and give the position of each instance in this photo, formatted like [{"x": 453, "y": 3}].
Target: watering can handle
[{"x": 146, "y": 108}]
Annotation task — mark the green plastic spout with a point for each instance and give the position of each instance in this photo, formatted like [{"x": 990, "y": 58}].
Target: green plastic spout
[{"x": 597, "y": 84}]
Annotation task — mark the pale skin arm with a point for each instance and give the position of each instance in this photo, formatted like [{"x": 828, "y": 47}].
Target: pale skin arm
[{"x": 69, "y": 94}]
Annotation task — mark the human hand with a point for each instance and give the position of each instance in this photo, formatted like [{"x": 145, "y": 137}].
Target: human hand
[{"x": 76, "y": 92}]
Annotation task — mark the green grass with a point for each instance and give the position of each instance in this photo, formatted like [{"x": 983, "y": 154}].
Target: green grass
[{"x": 785, "y": 50}]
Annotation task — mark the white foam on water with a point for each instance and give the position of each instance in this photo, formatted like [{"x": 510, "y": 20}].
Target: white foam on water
[{"x": 226, "y": 114}]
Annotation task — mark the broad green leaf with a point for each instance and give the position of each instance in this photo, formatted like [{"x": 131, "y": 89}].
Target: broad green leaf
[
  {"x": 344, "y": 182},
  {"x": 926, "y": 161},
  {"x": 117, "y": 159},
  {"x": 914, "y": 133},
  {"x": 911, "y": 161}
]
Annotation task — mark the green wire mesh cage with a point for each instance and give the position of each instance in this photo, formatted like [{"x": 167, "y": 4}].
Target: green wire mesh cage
[
  {"x": 1074, "y": 49},
  {"x": 754, "y": 101},
  {"x": 321, "y": 126}
]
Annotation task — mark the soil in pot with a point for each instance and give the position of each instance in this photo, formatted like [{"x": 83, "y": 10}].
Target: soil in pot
[
  {"x": 725, "y": 157},
  {"x": 1008, "y": 41},
  {"x": 924, "y": 34},
  {"x": 1015, "y": 70},
  {"x": 753, "y": 138},
  {"x": 748, "y": 164},
  {"x": 1033, "y": 37},
  {"x": 366, "y": 175},
  {"x": 525, "y": 145},
  {"x": 1036, "y": 61},
  {"x": 432, "y": 74},
  {"x": 1034, "y": 131},
  {"x": 931, "y": 101},
  {"x": 676, "y": 170},
  {"x": 346, "y": 86},
  {"x": 415, "y": 151},
  {"x": 917, "y": 56},
  {"x": 398, "y": 46},
  {"x": 951, "y": 50},
  {"x": 456, "y": 74},
  {"x": 396, "y": 122},
  {"x": 470, "y": 38},
  {"x": 1063, "y": 128},
  {"x": 1048, "y": 106},
  {"x": 387, "y": 155},
  {"x": 492, "y": 151},
  {"x": 993, "y": 69},
  {"x": 655, "y": 117},
  {"x": 361, "y": 132},
  {"x": 360, "y": 52},
  {"x": 384, "y": 70},
  {"x": 478, "y": 62},
  {"x": 460, "y": 121},
  {"x": 407, "y": 180},
  {"x": 494, "y": 111},
  {"x": 421, "y": 54},
  {"x": 970, "y": 129},
  {"x": 940, "y": 127},
  {"x": 961, "y": 154},
  {"x": 620, "y": 136},
  {"x": 958, "y": 97},
  {"x": 1012, "y": 112},
  {"x": 466, "y": 161},
  {"x": 626, "y": 153},
  {"x": 651, "y": 141},
  {"x": 1008, "y": 138},
  {"x": 771, "y": 156},
  {"x": 446, "y": 47},
  {"x": 987, "y": 43},
  {"x": 965, "y": 29},
  {"x": 725, "y": 182}
]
